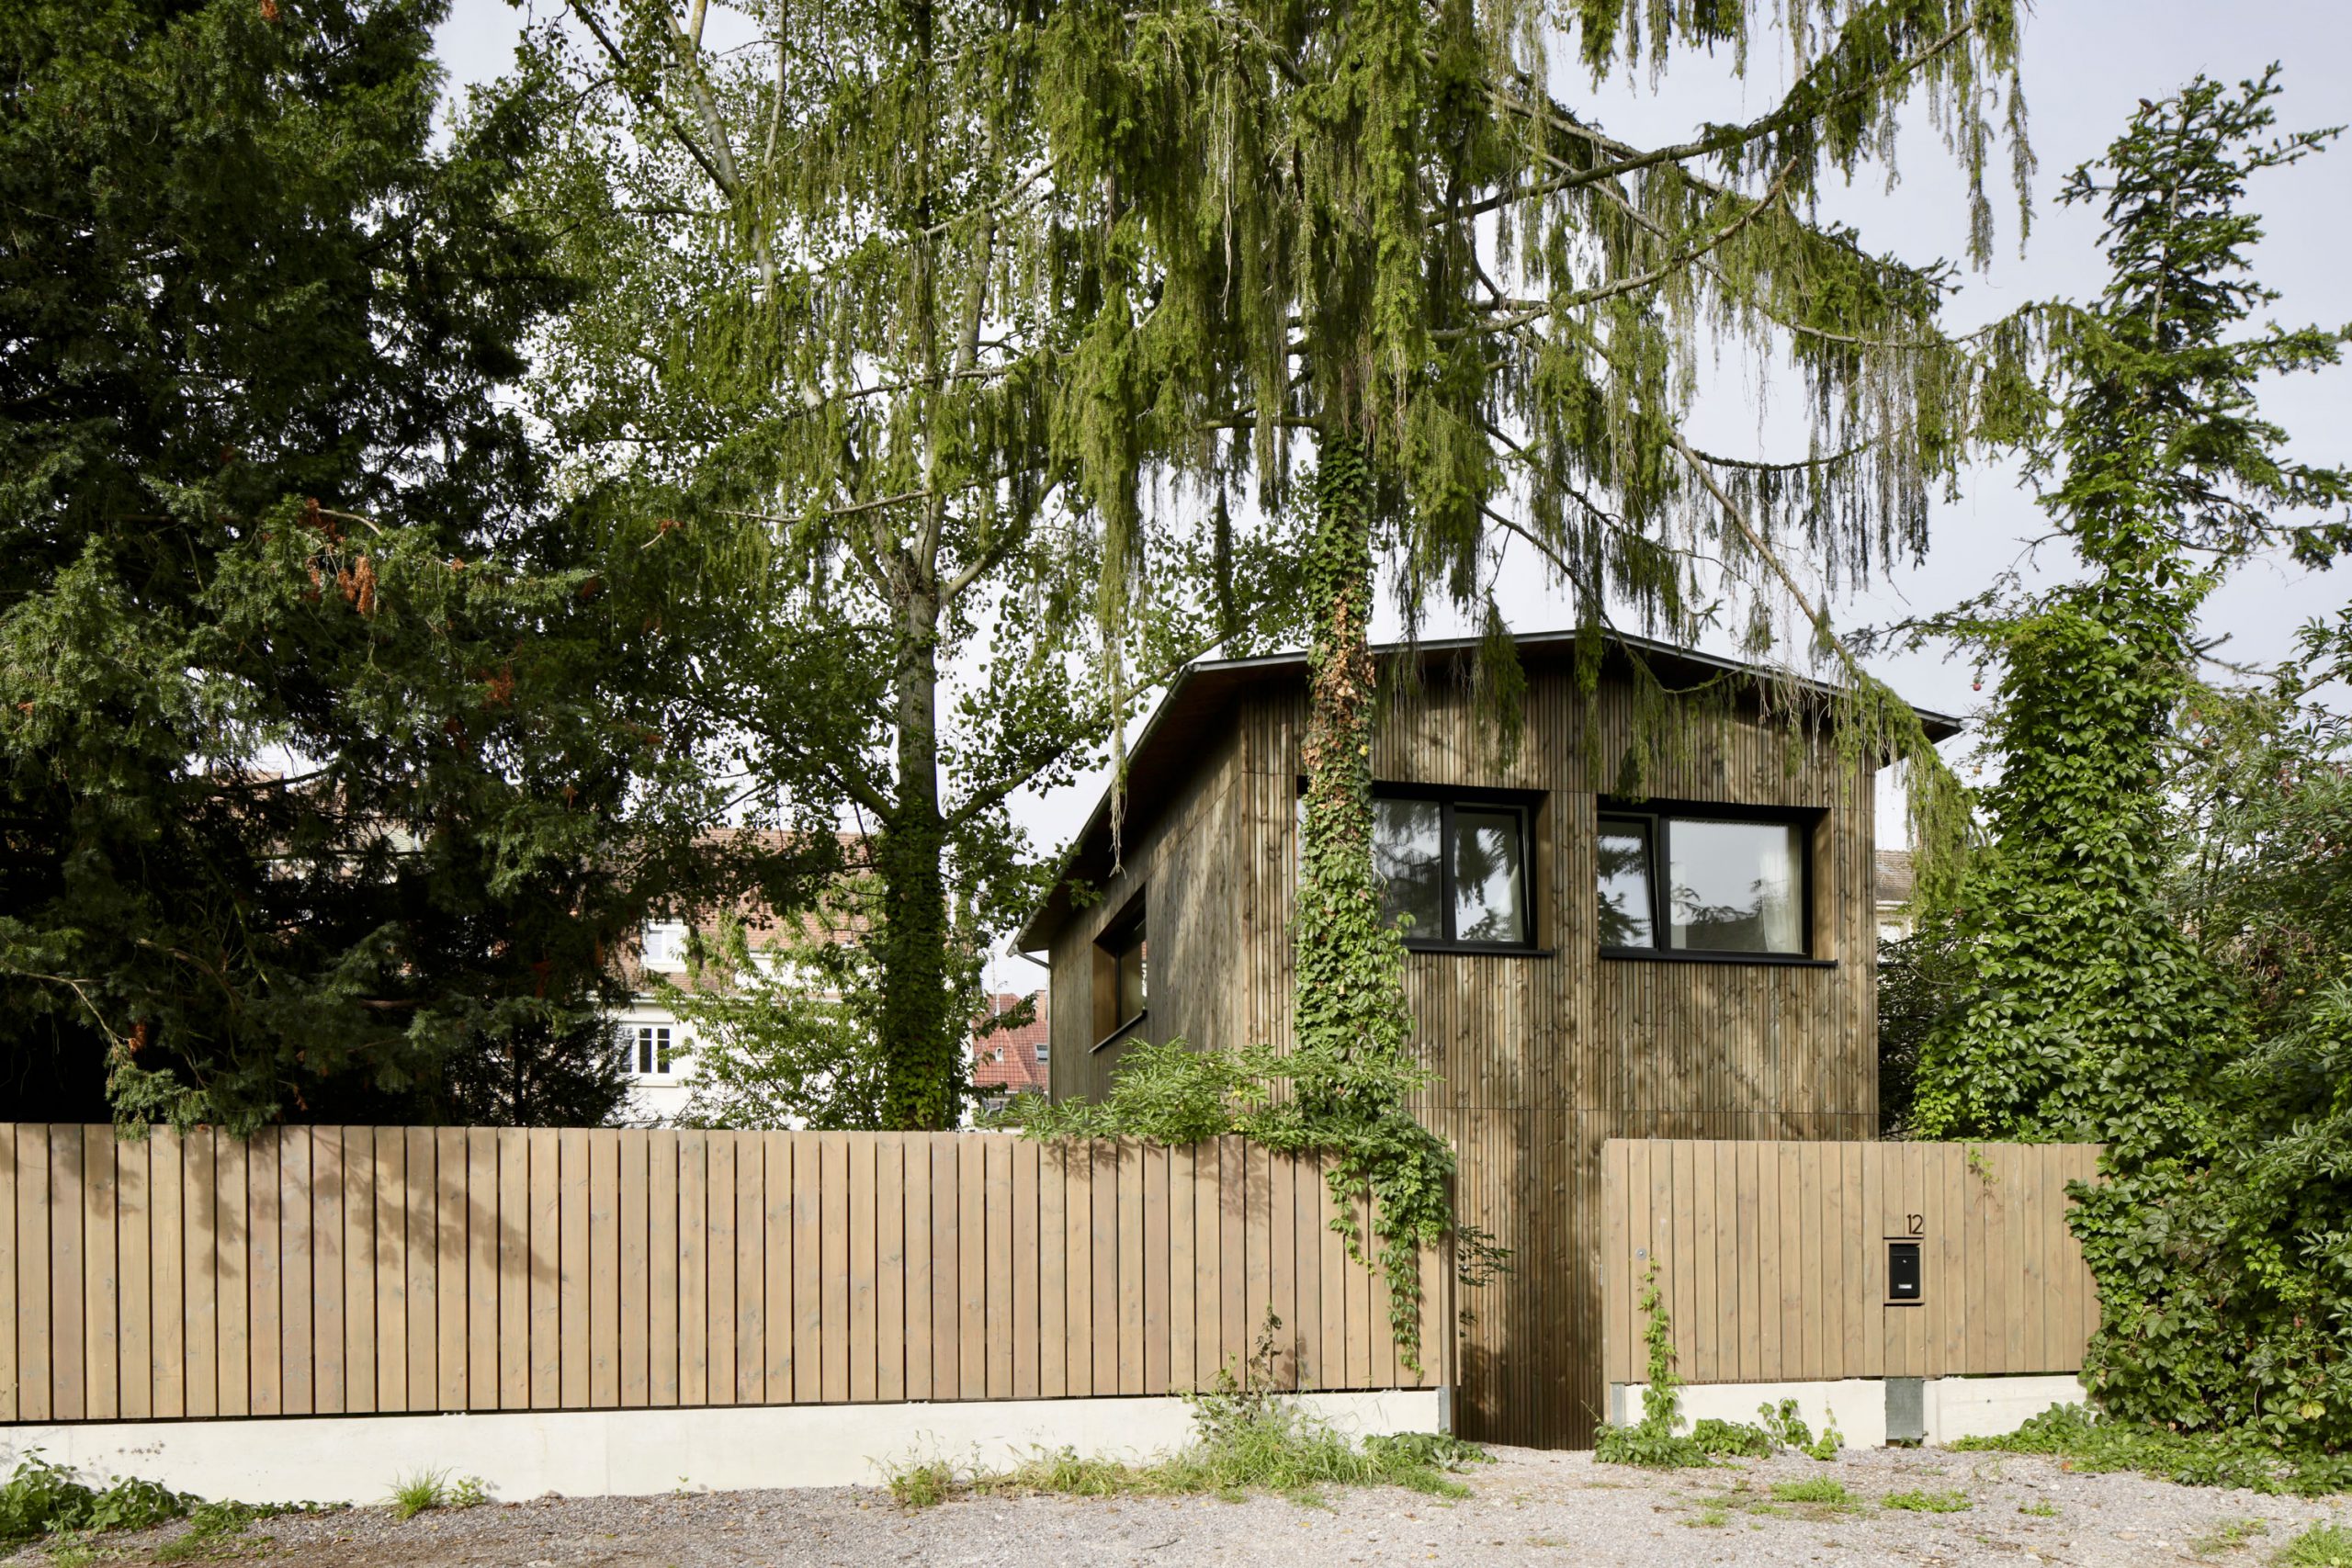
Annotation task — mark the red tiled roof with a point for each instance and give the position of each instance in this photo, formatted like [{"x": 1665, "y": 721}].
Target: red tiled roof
[{"x": 1005, "y": 1061}]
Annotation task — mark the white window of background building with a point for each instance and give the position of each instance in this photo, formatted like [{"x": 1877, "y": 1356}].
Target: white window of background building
[{"x": 645, "y": 1049}]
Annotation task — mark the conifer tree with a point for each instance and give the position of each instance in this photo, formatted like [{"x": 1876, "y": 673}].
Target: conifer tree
[
  {"x": 319, "y": 727},
  {"x": 1372, "y": 245},
  {"x": 828, "y": 303}
]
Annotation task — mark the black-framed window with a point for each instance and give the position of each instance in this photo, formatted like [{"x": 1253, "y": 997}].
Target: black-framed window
[
  {"x": 1455, "y": 868},
  {"x": 1705, "y": 880}
]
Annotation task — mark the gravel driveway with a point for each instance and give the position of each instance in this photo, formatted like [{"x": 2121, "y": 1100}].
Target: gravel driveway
[{"x": 1530, "y": 1506}]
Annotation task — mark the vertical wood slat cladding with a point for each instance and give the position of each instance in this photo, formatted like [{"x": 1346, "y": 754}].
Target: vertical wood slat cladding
[
  {"x": 558, "y": 1270},
  {"x": 2004, "y": 1291},
  {"x": 1538, "y": 1059}
]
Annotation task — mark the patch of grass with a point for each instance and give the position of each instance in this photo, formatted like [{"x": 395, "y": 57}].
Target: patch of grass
[
  {"x": 2040, "y": 1509},
  {"x": 2322, "y": 1545},
  {"x": 1928, "y": 1502},
  {"x": 1714, "y": 1515},
  {"x": 1814, "y": 1489},
  {"x": 2230, "y": 1535},
  {"x": 922, "y": 1484},
  {"x": 420, "y": 1493},
  {"x": 2237, "y": 1458}
]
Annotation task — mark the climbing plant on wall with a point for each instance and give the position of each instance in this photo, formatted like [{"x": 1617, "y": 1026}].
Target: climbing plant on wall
[{"x": 2091, "y": 1002}]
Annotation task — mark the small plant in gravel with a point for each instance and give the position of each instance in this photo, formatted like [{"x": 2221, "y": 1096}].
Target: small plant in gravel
[
  {"x": 1818, "y": 1489},
  {"x": 2322, "y": 1545},
  {"x": 1654, "y": 1442},
  {"x": 2234, "y": 1458},
  {"x": 2230, "y": 1535},
  {"x": 420, "y": 1493},
  {"x": 2039, "y": 1508},
  {"x": 469, "y": 1492},
  {"x": 1924, "y": 1502},
  {"x": 1248, "y": 1439},
  {"x": 1714, "y": 1515}
]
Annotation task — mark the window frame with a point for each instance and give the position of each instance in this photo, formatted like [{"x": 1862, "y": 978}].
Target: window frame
[
  {"x": 654, "y": 1042},
  {"x": 1116, "y": 938},
  {"x": 1525, "y": 805},
  {"x": 1657, "y": 818}
]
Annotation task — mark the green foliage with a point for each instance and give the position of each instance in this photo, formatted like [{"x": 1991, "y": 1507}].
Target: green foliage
[
  {"x": 784, "y": 1038},
  {"x": 2231, "y": 1456},
  {"x": 2322, "y": 1545},
  {"x": 420, "y": 1493},
  {"x": 1925, "y": 1502},
  {"x": 1654, "y": 1443},
  {"x": 1819, "y": 1489},
  {"x": 325, "y": 733},
  {"x": 2093, "y": 981},
  {"x": 41, "y": 1498}
]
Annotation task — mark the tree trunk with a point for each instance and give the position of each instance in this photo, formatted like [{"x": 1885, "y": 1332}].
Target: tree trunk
[{"x": 920, "y": 1033}]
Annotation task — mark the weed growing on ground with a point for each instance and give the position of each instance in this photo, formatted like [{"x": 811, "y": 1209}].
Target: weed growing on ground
[
  {"x": 1248, "y": 1439},
  {"x": 2322, "y": 1545},
  {"x": 1929, "y": 1502},
  {"x": 41, "y": 1499},
  {"x": 2039, "y": 1509},
  {"x": 469, "y": 1492},
  {"x": 1653, "y": 1443},
  {"x": 1818, "y": 1489},
  {"x": 414, "y": 1495},
  {"x": 1714, "y": 1515},
  {"x": 2230, "y": 1535},
  {"x": 2190, "y": 1459}
]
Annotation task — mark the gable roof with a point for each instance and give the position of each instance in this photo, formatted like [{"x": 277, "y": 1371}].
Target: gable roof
[{"x": 1205, "y": 692}]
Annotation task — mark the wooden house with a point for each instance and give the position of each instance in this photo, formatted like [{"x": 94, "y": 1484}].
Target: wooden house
[{"x": 1641, "y": 925}]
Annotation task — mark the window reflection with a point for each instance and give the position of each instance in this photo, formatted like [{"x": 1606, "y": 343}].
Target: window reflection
[
  {"x": 1489, "y": 876},
  {"x": 1624, "y": 858},
  {"x": 1406, "y": 849},
  {"x": 1736, "y": 886}
]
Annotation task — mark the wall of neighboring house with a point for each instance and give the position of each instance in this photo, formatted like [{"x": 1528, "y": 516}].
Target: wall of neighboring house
[{"x": 1541, "y": 1056}]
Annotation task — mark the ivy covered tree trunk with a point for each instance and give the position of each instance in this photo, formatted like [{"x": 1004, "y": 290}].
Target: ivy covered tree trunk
[
  {"x": 1350, "y": 995},
  {"x": 921, "y": 1025}
]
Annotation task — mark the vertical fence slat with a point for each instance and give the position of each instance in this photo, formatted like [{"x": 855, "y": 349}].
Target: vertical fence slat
[
  {"x": 69, "y": 1327},
  {"x": 485, "y": 1244},
  {"x": 331, "y": 1378},
  {"x": 545, "y": 1252},
  {"x": 1282, "y": 1248},
  {"x": 24, "y": 1253},
  {"x": 997, "y": 1202},
  {"x": 807, "y": 1267},
  {"x": 101, "y": 1281},
  {"x": 1234, "y": 1326},
  {"x": 751, "y": 1269},
  {"x": 1027, "y": 1346},
  {"x": 636, "y": 1246},
  {"x": 1105, "y": 1246},
  {"x": 263, "y": 1285},
  {"x": 10, "y": 1399},
  {"x": 864, "y": 1261},
  {"x": 199, "y": 1311},
  {"x": 388, "y": 1223},
  {"x": 720, "y": 1304},
  {"x": 166, "y": 1256},
  {"x": 450, "y": 1315},
  {"x": 946, "y": 1262},
  {"x": 890, "y": 1267},
  {"x": 1078, "y": 1267},
  {"x": 135, "y": 1281},
  {"x": 916, "y": 1148},
  {"x": 421, "y": 1211},
  {"x": 571, "y": 1272},
  {"x": 601, "y": 1283},
  {"x": 1053, "y": 1277},
  {"x": 835, "y": 1280},
  {"x": 358, "y": 1269},
  {"x": 515, "y": 1268},
  {"x": 662, "y": 1353},
  {"x": 971, "y": 1271},
  {"x": 1184, "y": 1303},
  {"x": 775, "y": 1193},
  {"x": 298, "y": 1288},
  {"x": 232, "y": 1220}
]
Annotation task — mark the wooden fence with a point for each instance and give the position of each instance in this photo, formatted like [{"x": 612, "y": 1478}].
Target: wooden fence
[
  {"x": 356, "y": 1269},
  {"x": 1772, "y": 1258}
]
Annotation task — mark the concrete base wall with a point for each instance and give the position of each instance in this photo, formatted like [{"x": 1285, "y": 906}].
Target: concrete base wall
[
  {"x": 1954, "y": 1407},
  {"x": 358, "y": 1458}
]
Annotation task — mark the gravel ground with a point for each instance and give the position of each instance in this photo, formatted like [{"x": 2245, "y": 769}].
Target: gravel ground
[{"x": 1530, "y": 1506}]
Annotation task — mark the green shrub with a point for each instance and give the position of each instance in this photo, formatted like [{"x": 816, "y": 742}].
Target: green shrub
[
  {"x": 1929, "y": 1502},
  {"x": 1816, "y": 1489},
  {"x": 41, "y": 1499}
]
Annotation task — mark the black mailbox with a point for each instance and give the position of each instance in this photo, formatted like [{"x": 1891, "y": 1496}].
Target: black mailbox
[{"x": 1903, "y": 1271}]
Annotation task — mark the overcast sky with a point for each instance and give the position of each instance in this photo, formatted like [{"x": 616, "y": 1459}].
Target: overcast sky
[{"x": 2085, "y": 65}]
